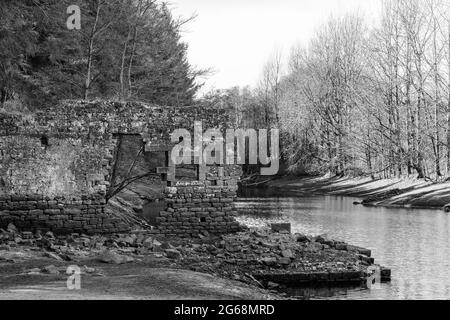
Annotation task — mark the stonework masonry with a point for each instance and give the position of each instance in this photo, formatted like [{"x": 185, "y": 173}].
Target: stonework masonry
[
  {"x": 57, "y": 166},
  {"x": 199, "y": 206}
]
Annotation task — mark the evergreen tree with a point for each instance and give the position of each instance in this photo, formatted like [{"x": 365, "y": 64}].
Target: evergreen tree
[{"x": 125, "y": 49}]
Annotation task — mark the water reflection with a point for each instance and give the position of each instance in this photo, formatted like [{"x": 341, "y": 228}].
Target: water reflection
[{"x": 414, "y": 243}]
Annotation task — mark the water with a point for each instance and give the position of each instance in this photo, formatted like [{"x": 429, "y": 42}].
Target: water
[{"x": 414, "y": 243}]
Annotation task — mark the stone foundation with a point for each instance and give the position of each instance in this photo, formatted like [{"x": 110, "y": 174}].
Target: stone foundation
[
  {"x": 195, "y": 207},
  {"x": 83, "y": 215}
]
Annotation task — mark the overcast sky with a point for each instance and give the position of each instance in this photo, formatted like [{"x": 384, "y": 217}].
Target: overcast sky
[{"x": 236, "y": 37}]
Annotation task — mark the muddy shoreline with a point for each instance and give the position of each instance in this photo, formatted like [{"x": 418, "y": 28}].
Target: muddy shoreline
[{"x": 392, "y": 193}]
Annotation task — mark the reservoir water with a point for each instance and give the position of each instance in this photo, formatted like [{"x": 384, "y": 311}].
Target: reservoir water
[{"x": 414, "y": 243}]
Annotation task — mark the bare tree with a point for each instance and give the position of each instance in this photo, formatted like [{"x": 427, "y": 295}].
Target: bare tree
[
  {"x": 270, "y": 87},
  {"x": 99, "y": 26}
]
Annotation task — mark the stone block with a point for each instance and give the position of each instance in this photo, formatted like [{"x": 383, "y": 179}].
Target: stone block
[{"x": 281, "y": 227}]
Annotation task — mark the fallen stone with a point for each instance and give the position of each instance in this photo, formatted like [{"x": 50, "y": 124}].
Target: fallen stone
[
  {"x": 173, "y": 254},
  {"x": 51, "y": 269},
  {"x": 84, "y": 241},
  {"x": 269, "y": 245},
  {"x": 329, "y": 243},
  {"x": 129, "y": 240},
  {"x": 205, "y": 233},
  {"x": 314, "y": 246},
  {"x": 140, "y": 238},
  {"x": 35, "y": 271},
  {"x": 259, "y": 234},
  {"x": 148, "y": 243},
  {"x": 166, "y": 245},
  {"x": 66, "y": 257},
  {"x": 385, "y": 274},
  {"x": 232, "y": 248},
  {"x": 44, "y": 242},
  {"x": 363, "y": 251},
  {"x": 18, "y": 240},
  {"x": 50, "y": 235},
  {"x": 368, "y": 260},
  {"x": 284, "y": 261},
  {"x": 301, "y": 238},
  {"x": 320, "y": 239},
  {"x": 269, "y": 261},
  {"x": 157, "y": 246},
  {"x": 11, "y": 228},
  {"x": 280, "y": 227},
  {"x": 340, "y": 246},
  {"x": 87, "y": 269},
  {"x": 27, "y": 235},
  {"x": 287, "y": 254},
  {"x": 52, "y": 255}
]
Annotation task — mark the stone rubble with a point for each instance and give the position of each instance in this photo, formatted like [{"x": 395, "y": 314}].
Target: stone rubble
[{"x": 240, "y": 256}]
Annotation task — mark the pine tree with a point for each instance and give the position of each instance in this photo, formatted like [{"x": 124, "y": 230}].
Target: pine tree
[{"x": 126, "y": 49}]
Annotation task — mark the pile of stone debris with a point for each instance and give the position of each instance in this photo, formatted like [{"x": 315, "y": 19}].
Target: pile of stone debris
[
  {"x": 241, "y": 256},
  {"x": 112, "y": 248},
  {"x": 247, "y": 254}
]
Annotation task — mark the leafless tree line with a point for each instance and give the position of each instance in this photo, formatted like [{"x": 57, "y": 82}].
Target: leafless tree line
[{"x": 376, "y": 101}]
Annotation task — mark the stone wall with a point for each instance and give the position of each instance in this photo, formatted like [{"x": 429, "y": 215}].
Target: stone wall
[
  {"x": 60, "y": 215},
  {"x": 57, "y": 165},
  {"x": 199, "y": 206}
]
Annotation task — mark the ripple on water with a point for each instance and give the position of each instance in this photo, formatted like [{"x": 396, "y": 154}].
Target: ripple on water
[{"x": 414, "y": 243}]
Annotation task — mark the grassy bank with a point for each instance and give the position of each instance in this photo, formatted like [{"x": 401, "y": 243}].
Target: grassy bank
[{"x": 410, "y": 193}]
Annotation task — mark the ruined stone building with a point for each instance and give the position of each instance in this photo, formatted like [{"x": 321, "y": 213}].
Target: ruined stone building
[{"x": 60, "y": 167}]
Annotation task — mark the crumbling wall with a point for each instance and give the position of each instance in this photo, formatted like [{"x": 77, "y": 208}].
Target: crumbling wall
[
  {"x": 57, "y": 165},
  {"x": 198, "y": 206}
]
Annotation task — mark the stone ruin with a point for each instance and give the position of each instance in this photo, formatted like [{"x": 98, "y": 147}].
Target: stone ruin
[
  {"x": 58, "y": 167},
  {"x": 205, "y": 205}
]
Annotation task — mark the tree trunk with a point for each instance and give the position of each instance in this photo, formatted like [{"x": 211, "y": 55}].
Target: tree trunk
[
  {"x": 130, "y": 64},
  {"x": 448, "y": 105},
  {"x": 437, "y": 142},
  {"x": 122, "y": 67},
  {"x": 91, "y": 53}
]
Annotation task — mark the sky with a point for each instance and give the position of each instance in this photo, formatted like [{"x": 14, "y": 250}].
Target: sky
[{"x": 235, "y": 38}]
